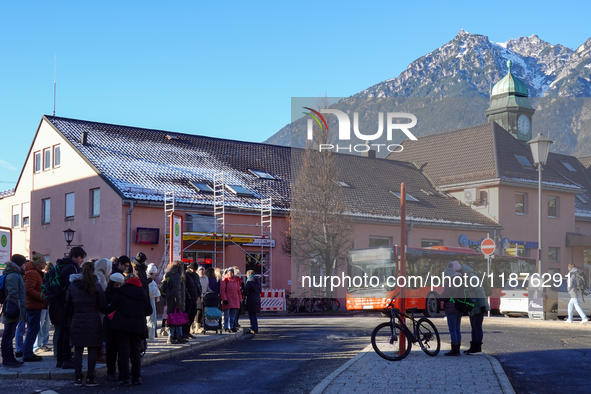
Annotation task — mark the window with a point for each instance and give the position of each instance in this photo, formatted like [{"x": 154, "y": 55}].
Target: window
[
  {"x": 581, "y": 199},
  {"x": 520, "y": 203},
  {"x": 262, "y": 174},
  {"x": 45, "y": 210},
  {"x": 16, "y": 221},
  {"x": 553, "y": 254},
  {"x": 26, "y": 213},
  {"x": 427, "y": 243},
  {"x": 200, "y": 223},
  {"x": 524, "y": 162},
  {"x": 95, "y": 202},
  {"x": 568, "y": 166},
  {"x": 552, "y": 207},
  {"x": 57, "y": 160},
  {"x": 70, "y": 200},
  {"x": 379, "y": 241},
  {"x": 46, "y": 159},
  {"x": 201, "y": 187},
  {"x": 408, "y": 196},
  {"x": 240, "y": 191},
  {"x": 37, "y": 161},
  {"x": 342, "y": 184}
]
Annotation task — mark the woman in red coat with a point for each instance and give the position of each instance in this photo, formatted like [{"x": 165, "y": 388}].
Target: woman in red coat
[{"x": 231, "y": 297}]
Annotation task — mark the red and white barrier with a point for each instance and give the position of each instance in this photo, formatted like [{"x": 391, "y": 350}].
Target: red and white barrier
[{"x": 273, "y": 300}]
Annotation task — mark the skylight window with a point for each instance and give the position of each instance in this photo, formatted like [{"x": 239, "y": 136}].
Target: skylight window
[
  {"x": 171, "y": 137},
  {"x": 524, "y": 162},
  {"x": 240, "y": 191},
  {"x": 201, "y": 187},
  {"x": 581, "y": 199},
  {"x": 342, "y": 184},
  {"x": 262, "y": 174},
  {"x": 408, "y": 196},
  {"x": 568, "y": 166}
]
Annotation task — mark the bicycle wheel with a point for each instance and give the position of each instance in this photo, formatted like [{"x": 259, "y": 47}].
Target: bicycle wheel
[
  {"x": 428, "y": 337},
  {"x": 291, "y": 305},
  {"x": 334, "y": 304},
  {"x": 386, "y": 341},
  {"x": 308, "y": 305}
]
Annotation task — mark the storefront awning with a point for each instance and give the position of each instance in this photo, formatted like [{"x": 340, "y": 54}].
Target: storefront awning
[{"x": 574, "y": 239}]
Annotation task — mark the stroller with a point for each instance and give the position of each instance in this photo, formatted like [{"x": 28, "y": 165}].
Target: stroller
[{"x": 212, "y": 315}]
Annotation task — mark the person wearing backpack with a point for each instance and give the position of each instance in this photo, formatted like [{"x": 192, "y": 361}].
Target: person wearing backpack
[
  {"x": 35, "y": 304},
  {"x": 15, "y": 301},
  {"x": 577, "y": 285},
  {"x": 481, "y": 306},
  {"x": 452, "y": 313}
]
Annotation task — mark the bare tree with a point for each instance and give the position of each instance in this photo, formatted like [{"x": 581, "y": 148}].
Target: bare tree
[{"x": 319, "y": 233}]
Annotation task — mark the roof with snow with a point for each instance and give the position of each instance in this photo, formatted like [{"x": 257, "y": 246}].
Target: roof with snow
[{"x": 143, "y": 164}]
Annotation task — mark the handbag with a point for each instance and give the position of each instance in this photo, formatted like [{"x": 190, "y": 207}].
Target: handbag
[
  {"x": 465, "y": 304},
  {"x": 11, "y": 309},
  {"x": 177, "y": 318}
]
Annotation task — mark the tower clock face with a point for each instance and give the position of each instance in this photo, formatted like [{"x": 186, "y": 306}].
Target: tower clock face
[{"x": 523, "y": 125}]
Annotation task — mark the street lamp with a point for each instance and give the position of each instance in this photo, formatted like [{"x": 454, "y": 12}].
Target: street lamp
[
  {"x": 540, "y": 146},
  {"x": 69, "y": 234}
]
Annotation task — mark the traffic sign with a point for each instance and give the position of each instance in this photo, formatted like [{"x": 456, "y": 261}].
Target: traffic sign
[{"x": 487, "y": 246}]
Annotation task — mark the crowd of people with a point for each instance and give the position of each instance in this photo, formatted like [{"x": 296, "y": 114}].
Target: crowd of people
[{"x": 109, "y": 308}]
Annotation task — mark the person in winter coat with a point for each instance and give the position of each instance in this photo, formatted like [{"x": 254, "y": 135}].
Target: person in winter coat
[
  {"x": 121, "y": 264},
  {"x": 85, "y": 301},
  {"x": 131, "y": 306},
  {"x": 575, "y": 294},
  {"x": 140, "y": 270},
  {"x": 231, "y": 297},
  {"x": 204, "y": 281},
  {"x": 453, "y": 315},
  {"x": 115, "y": 281},
  {"x": 477, "y": 314},
  {"x": 66, "y": 267},
  {"x": 14, "y": 287},
  {"x": 192, "y": 296},
  {"x": 252, "y": 295},
  {"x": 154, "y": 293},
  {"x": 102, "y": 269},
  {"x": 175, "y": 298},
  {"x": 41, "y": 343},
  {"x": 238, "y": 279},
  {"x": 35, "y": 303},
  {"x": 213, "y": 280}
]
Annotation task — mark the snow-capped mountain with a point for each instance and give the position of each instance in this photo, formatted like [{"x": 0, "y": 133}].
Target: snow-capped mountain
[{"x": 467, "y": 67}]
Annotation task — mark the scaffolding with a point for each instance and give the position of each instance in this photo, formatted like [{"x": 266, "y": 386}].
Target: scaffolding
[
  {"x": 168, "y": 210},
  {"x": 220, "y": 234}
]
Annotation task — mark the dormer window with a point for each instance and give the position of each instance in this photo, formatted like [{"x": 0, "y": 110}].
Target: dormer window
[{"x": 262, "y": 174}]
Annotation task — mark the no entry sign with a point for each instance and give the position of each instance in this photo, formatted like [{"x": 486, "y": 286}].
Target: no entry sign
[{"x": 487, "y": 246}]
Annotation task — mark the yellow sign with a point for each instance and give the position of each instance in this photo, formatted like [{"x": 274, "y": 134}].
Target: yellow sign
[{"x": 238, "y": 238}]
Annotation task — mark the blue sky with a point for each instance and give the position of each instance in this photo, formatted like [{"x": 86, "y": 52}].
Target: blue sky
[{"x": 227, "y": 69}]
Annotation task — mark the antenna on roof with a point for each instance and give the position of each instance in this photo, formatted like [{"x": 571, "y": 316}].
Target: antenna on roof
[{"x": 54, "y": 73}]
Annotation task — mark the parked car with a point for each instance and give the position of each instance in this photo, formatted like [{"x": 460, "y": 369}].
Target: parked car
[
  {"x": 514, "y": 298},
  {"x": 564, "y": 298}
]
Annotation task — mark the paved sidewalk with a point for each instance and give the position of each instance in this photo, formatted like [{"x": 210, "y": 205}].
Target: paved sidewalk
[
  {"x": 158, "y": 350},
  {"x": 417, "y": 373}
]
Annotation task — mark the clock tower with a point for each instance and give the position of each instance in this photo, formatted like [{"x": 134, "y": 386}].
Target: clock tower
[{"x": 510, "y": 107}]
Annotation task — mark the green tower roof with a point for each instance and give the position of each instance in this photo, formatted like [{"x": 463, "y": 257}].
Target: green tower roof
[{"x": 510, "y": 84}]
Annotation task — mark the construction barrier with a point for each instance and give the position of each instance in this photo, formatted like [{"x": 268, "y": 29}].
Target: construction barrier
[{"x": 273, "y": 300}]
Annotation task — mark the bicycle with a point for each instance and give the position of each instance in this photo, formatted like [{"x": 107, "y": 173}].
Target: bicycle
[
  {"x": 298, "y": 305},
  {"x": 385, "y": 337}
]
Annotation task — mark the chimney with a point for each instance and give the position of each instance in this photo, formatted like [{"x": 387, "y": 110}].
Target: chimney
[
  {"x": 84, "y": 138},
  {"x": 369, "y": 153}
]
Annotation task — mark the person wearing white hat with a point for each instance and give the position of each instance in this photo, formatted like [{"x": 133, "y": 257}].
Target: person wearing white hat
[{"x": 154, "y": 293}]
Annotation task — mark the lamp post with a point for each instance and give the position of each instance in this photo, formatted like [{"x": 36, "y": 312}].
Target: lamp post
[
  {"x": 540, "y": 146},
  {"x": 69, "y": 234}
]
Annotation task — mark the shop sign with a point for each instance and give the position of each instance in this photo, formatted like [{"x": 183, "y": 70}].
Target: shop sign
[{"x": 511, "y": 243}]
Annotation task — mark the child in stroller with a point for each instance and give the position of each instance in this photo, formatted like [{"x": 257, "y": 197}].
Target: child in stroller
[{"x": 212, "y": 315}]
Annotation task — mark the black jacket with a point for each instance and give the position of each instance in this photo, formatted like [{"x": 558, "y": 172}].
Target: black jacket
[
  {"x": 193, "y": 286},
  {"x": 86, "y": 328},
  {"x": 67, "y": 267},
  {"x": 140, "y": 271},
  {"x": 131, "y": 306},
  {"x": 252, "y": 292}
]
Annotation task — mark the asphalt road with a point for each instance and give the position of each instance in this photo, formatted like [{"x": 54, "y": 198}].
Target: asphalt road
[{"x": 292, "y": 355}]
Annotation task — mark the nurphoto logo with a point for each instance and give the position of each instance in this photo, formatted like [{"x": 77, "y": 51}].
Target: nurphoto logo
[{"x": 345, "y": 130}]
